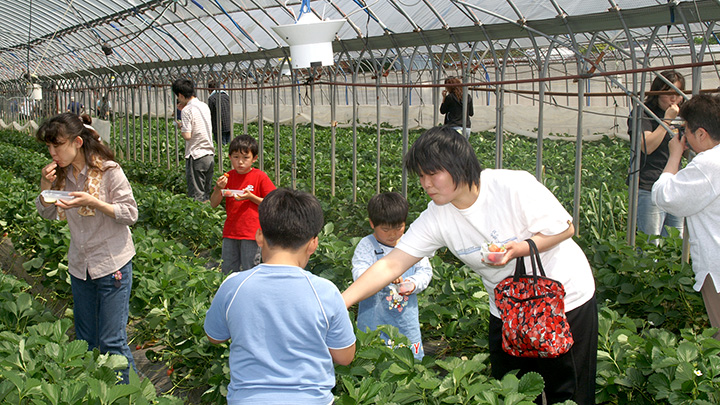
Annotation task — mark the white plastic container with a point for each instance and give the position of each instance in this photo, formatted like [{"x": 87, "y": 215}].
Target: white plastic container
[
  {"x": 405, "y": 287},
  {"x": 51, "y": 196},
  {"x": 492, "y": 257},
  {"x": 226, "y": 192}
]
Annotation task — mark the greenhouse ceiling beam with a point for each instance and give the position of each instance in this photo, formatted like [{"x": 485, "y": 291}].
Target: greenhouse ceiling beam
[
  {"x": 150, "y": 5},
  {"x": 605, "y": 21}
]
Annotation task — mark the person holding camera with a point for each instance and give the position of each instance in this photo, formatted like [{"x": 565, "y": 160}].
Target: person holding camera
[
  {"x": 694, "y": 193},
  {"x": 654, "y": 152}
]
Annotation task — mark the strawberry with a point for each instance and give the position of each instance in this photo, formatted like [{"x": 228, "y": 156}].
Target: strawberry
[{"x": 495, "y": 248}]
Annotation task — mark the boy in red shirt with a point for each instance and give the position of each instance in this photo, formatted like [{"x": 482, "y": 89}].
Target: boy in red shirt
[{"x": 243, "y": 189}]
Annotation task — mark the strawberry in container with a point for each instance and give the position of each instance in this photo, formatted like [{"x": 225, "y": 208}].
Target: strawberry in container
[{"x": 493, "y": 252}]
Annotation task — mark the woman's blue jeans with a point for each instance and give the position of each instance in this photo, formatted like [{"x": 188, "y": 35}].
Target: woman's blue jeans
[
  {"x": 651, "y": 219},
  {"x": 101, "y": 313}
]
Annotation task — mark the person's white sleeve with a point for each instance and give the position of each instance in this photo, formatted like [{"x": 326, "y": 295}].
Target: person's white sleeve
[
  {"x": 424, "y": 235},
  {"x": 685, "y": 193},
  {"x": 363, "y": 258},
  {"x": 540, "y": 209},
  {"x": 422, "y": 276}
]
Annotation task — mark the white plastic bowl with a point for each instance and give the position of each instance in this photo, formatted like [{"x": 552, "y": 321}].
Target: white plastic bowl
[
  {"x": 51, "y": 196},
  {"x": 226, "y": 192}
]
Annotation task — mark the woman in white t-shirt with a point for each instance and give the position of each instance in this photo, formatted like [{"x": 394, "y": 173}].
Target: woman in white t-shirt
[{"x": 471, "y": 207}]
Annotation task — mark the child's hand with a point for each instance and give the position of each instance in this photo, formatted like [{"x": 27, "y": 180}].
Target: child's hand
[
  {"x": 222, "y": 182},
  {"x": 398, "y": 280},
  {"x": 244, "y": 196},
  {"x": 406, "y": 288}
]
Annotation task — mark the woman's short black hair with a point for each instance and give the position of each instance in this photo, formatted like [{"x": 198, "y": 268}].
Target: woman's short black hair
[
  {"x": 290, "y": 218},
  {"x": 444, "y": 148}
]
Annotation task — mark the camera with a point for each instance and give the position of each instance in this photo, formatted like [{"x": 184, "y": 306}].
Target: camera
[{"x": 677, "y": 126}]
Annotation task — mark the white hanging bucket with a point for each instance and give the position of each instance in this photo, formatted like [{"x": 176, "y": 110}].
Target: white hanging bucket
[
  {"x": 34, "y": 91},
  {"x": 310, "y": 40}
]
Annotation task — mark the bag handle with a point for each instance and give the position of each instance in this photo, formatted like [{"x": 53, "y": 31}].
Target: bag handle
[{"x": 534, "y": 261}]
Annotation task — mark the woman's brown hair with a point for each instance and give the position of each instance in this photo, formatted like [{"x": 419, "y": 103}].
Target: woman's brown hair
[
  {"x": 66, "y": 127},
  {"x": 659, "y": 85},
  {"x": 456, "y": 90}
]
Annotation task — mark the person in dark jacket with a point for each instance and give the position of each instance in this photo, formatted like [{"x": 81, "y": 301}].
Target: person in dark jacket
[
  {"x": 220, "y": 98},
  {"x": 452, "y": 106}
]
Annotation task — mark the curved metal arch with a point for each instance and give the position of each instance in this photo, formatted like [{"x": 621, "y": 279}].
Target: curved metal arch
[
  {"x": 220, "y": 40},
  {"x": 184, "y": 21},
  {"x": 148, "y": 32},
  {"x": 143, "y": 49}
]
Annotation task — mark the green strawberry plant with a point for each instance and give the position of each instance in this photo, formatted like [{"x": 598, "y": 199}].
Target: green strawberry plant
[{"x": 654, "y": 344}]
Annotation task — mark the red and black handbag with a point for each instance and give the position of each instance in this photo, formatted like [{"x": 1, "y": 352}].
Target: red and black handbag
[{"x": 532, "y": 311}]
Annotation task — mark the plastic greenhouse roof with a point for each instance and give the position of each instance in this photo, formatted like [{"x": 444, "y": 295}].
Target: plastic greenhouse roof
[{"x": 56, "y": 37}]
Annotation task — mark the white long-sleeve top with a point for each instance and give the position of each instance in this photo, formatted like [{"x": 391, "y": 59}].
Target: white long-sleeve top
[{"x": 694, "y": 193}]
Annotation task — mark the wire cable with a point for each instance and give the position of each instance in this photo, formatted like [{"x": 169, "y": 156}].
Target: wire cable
[{"x": 57, "y": 28}]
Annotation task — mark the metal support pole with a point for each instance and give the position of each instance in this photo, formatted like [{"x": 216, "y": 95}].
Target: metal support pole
[{"x": 578, "y": 156}]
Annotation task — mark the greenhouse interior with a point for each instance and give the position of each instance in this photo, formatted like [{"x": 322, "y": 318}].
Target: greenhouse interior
[{"x": 335, "y": 93}]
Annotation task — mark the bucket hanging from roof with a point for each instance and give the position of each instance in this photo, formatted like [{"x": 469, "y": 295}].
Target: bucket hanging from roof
[{"x": 310, "y": 38}]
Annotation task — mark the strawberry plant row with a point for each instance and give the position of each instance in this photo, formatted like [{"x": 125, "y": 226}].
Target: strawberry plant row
[
  {"x": 41, "y": 365},
  {"x": 175, "y": 283}
]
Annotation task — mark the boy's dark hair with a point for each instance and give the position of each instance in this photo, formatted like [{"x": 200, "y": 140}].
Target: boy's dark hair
[
  {"x": 702, "y": 111},
  {"x": 184, "y": 87},
  {"x": 290, "y": 218},
  {"x": 659, "y": 84},
  {"x": 212, "y": 84},
  {"x": 244, "y": 143},
  {"x": 388, "y": 208},
  {"x": 443, "y": 148}
]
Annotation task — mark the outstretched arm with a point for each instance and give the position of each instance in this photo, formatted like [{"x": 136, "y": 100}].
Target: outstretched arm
[{"x": 380, "y": 274}]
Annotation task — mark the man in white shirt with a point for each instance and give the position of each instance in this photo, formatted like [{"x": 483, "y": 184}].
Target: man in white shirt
[
  {"x": 195, "y": 128},
  {"x": 694, "y": 192}
]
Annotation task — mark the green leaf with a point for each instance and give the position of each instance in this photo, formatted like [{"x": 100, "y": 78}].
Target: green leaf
[
  {"x": 396, "y": 369},
  {"x": 121, "y": 391},
  {"x": 73, "y": 392},
  {"x": 51, "y": 392},
  {"x": 16, "y": 379},
  {"x": 687, "y": 352},
  {"x": 75, "y": 349},
  {"x": 31, "y": 264},
  {"x": 531, "y": 384},
  {"x": 52, "y": 350}
]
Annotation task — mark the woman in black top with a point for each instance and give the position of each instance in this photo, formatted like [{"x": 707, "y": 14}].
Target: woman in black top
[
  {"x": 452, "y": 106},
  {"x": 654, "y": 152}
]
